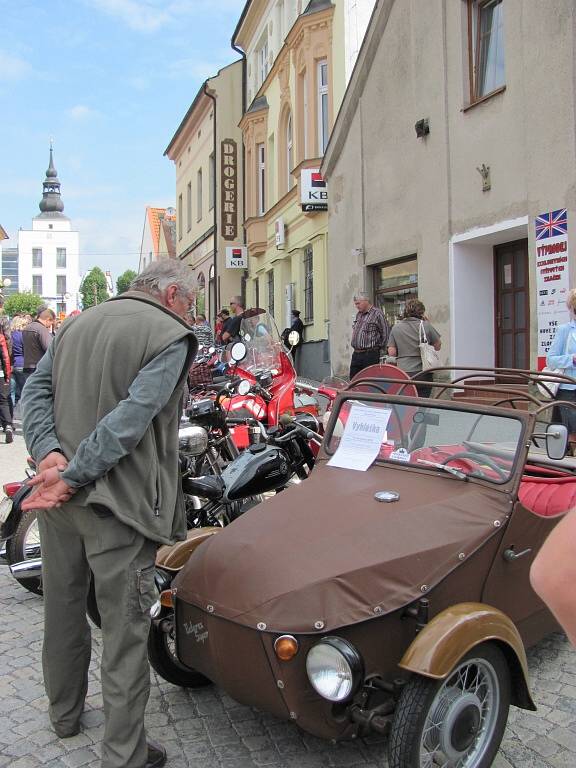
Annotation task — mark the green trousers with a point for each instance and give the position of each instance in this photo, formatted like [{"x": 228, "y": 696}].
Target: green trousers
[{"x": 74, "y": 541}]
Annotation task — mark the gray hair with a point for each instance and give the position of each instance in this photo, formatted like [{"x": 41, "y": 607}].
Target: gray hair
[
  {"x": 361, "y": 296},
  {"x": 160, "y": 274}
]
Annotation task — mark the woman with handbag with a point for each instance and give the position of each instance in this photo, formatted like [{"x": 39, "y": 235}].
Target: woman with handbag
[
  {"x": 407, "y": 340},
  {"x": 562, "y": 357}
]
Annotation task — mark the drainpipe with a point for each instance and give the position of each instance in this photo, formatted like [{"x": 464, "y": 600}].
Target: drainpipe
[{"x": 214, "y": 142}]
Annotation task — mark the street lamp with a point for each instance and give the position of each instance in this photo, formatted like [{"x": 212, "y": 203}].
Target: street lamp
[
  {"x": 5, "y": 282},
  {"x": 64, "y": 298}
]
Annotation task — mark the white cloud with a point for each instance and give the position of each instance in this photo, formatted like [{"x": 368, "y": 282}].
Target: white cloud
[
  {"x": 139, "y": 15},
  {"x": 13, "y": 67},
  {"x": 81, "y": 112}
]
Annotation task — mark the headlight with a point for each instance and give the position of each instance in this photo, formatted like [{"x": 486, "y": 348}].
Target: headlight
[
  {"x": 193, "y": 440},
  {"x": 334, "y": 668}
]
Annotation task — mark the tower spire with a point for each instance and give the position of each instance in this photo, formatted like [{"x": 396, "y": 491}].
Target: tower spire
[{"x": 51, "y": 202}]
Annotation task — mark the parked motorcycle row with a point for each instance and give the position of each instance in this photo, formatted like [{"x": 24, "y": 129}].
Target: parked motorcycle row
[{"x": 248, "y": 431}]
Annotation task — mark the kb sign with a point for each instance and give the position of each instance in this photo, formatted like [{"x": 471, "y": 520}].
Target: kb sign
[{"x": 313, "y": 192}]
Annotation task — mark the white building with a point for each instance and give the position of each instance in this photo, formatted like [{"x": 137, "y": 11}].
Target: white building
[{"x": 48, "y": 254}]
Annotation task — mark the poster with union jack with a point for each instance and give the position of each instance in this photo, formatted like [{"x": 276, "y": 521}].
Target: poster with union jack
[{"x": 552, "y": 276}]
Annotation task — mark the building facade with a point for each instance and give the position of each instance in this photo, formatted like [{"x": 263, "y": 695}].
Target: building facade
[
  {"x": 48, "y": 254},
  {"x": 157, "y": 236},
  {"x": 298, "y": 59},
  {"x": 207, "y": 153},
  {"x": 451, "y": 174}
]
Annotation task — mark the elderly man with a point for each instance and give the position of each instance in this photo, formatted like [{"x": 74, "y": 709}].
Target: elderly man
[
  {"x": 369, "y": 334},
  {"x": 36, "y": 338},
  {"x": 100, "y": 418}
]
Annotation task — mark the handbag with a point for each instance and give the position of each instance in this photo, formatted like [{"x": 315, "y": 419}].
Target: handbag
[
  {"x": 549, "y": 389},
  {"x": 430, "y": 357}
]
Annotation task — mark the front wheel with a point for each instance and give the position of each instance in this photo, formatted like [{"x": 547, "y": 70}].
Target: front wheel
[
  {"x": 24, "y": 544},
  {"x": 163, "y": 659},
  {"x": 457, "y": 722}
]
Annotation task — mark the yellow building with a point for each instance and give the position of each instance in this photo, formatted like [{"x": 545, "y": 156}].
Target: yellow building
[
  {"x": 207, "y": 153},
  {"x": 298, "y": 60}
]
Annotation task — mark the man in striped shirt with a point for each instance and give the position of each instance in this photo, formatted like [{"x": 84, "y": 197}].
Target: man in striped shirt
[{"x": 369, "y": 334}]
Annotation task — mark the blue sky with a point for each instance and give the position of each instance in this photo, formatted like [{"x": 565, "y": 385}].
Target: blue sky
[{"x": 109, "y": 81}]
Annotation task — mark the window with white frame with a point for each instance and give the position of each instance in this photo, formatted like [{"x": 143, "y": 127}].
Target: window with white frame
[
  {"x": 305, "y": 112},
  {"x": 199, "y": 195},
  {"x": 322, "y": 91},
  {"x": 61, "y": 258},
  {"x": 262, "y": 59},
  {"x": 189, "y": 207},
  {"x": 36, "y": 257},
  {"x": 60, "y": 284},
  {"x": 37, "y": 284},
  {"x": 261, "y": 167},
  {"x": 289, "y": 153},
  {"x": 486, "y": 47},
  {"x": 180, "y": 213}
]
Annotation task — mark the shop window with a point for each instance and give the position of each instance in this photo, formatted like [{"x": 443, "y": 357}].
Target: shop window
[
  {"x": 486, "y": 47},
  {"x": 394, "y": 284},
  {"x": 308, "y": 284}
]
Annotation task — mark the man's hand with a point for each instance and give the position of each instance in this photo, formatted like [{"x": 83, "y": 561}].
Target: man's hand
[
  {"x": 51, "y": 491},
  {"x": 53, "y": 459}
]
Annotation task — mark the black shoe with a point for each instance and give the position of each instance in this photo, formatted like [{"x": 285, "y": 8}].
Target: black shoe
[
  {"x": 156, "y": 755},
  {"x": 9, "y": 432},
  {"x": 66, "y": 733}
]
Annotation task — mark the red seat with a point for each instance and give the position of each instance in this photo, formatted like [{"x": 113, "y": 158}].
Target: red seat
[{"x": 548, "y": 496}]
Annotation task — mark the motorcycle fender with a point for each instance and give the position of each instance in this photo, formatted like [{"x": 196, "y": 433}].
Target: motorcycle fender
[
  {"x": 11, "y": 523},
  {"x": 451, "y": 634},
  {"x": 174, "y": 557}
]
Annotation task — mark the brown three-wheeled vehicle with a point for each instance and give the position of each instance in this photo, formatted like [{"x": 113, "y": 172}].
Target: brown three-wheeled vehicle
[{"x": 396, "y": 599}]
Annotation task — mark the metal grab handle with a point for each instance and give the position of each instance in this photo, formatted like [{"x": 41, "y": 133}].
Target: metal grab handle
[{"x": 510, "y": 555}]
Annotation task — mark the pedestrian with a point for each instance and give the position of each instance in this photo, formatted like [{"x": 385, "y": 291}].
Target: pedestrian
[
  {"x": 36, "y": 338},
  {"x": 100, "y": 416},
  {"x": 5, "y": 399},
  {"x": 221, "y": 318},
  {"x": 231, "y": 328},
  {"x": 562, "y": 355},
  {"x": 5, "y": 323},
  {"x": 404, "y": 342},
  {"x": 202, "y": 331},
  {"x": 19, "y": 322},
  {"x": 369, "y": 334}
]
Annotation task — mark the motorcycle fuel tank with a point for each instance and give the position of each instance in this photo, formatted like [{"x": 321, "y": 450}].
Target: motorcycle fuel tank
[{"x": 259, "y": 469}]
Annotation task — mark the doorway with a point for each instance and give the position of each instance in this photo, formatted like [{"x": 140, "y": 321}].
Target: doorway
[{"x": 512, "y": 305}]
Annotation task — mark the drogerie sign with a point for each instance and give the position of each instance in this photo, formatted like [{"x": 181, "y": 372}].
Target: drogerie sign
[{"x": 229, "y": 187}]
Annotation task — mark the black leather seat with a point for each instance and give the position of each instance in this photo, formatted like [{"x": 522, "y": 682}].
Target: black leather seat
[{"x": 207, "y": 486}]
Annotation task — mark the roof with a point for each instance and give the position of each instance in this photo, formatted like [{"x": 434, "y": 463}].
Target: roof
[
  {"x": 169, "y": 230},
  {"x": 3, "y": 234},
  {"x": 155, "y": 217}
]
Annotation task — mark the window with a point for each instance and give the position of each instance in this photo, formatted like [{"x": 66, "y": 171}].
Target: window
[
  {"x": 323, "y": 134},
  {"x": 260, "y": 159},
  {"x": 305, "y": 113},
  {"x": 308, "y": 284},
  {"x": 271, "y": 292},
  {"x": 199, "y": 194},
  {"x": 211, "y": 182},
  {"x": 256, "y": 292},
  {"x": 394, "y": 284},
  {"x": 289, "y": 153},
  {"x": 189, "y": 206},
  {"x": 60, "y": 284},
  {"x": 36, "y": 257},
  {"x": 180, "y": 217},
  {"x": 61, "y": 258},
  {"x": 262, "y": 55},
  {"x": 486, "y": 47},
  {"x": 37, "y": 284}
]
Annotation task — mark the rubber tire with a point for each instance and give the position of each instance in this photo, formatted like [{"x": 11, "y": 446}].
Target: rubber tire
[
  {"x": 416, "y": 699},
  {"x": 15, "y": 550},
  {"x": 169, "y": 668}
]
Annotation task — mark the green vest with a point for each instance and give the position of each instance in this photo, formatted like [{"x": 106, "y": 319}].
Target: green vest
[{"x": 97, "y": 356}]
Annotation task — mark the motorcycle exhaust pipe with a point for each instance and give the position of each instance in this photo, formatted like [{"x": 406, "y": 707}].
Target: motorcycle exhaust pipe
[{"x": 27, "y": 569}]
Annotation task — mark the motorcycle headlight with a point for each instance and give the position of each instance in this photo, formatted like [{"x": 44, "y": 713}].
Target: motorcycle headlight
[
  {"x": 334, "y": 668},
  {"x": 193, "y": 440}
]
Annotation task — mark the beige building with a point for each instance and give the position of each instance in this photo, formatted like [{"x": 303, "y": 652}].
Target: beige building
[
  {"x": 299, "y": 57},
  {"x": 454, "y": 150},
  {"x": 207, "y": 153}
]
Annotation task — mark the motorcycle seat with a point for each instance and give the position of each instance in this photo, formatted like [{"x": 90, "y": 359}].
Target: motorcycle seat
[
  {"x": 207, "y": 486},
  {"x": 174, "y": 557}
]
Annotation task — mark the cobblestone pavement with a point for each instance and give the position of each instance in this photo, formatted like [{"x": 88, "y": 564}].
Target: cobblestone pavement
[{"x": 207, "y": 729}]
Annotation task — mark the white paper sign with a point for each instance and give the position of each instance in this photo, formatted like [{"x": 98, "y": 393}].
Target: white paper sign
[{"x": 364, "y": 432}]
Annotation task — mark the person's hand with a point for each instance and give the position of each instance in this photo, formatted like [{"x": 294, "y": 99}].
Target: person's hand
[
  {"x": 50, "y": 491},
  {"x": 53, "y": 459}
]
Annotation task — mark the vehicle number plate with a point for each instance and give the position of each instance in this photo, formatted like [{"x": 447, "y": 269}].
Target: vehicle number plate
[{"x": 5, "y": 509}]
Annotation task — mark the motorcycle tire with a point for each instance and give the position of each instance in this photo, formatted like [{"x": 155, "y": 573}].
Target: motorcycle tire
[
  {"x": 17, "y": 545},
  {"x": 163, "y": 659}
]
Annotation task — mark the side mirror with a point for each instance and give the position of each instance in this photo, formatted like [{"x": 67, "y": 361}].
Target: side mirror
[
  {"x": 556, "y": 441},
  {"x": 243, "y": 387},
  {"x": 238, "y": 351},
  {"x": 293, "y": 338}
]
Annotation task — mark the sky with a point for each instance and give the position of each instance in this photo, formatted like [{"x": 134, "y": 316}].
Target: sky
[{"x": 109, "y": 81}]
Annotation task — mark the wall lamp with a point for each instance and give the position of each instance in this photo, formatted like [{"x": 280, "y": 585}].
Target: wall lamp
[{"x": 422, "y": 128}]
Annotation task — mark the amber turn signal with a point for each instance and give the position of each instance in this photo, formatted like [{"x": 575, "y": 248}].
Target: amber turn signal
[
  {"x": 167, "y": 598},
  {"x": 286, "y": 647}
]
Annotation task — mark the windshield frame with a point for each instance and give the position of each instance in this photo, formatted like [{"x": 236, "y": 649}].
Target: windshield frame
[{"x": 525, "y": 418}]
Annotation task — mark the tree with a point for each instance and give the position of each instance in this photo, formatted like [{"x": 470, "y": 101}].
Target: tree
[
  {"x": 93, "y": 288},
  {"x": 123, "y": 282},
  {"x": 26, "y": 302}
]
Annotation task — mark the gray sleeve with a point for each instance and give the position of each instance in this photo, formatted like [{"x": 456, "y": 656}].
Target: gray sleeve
[
  {"x": 38, "y": 409},
  {"x": 120, "y": 431},
  {"x": 45, "y": 338},
  {"x": 431, "y": 333}
]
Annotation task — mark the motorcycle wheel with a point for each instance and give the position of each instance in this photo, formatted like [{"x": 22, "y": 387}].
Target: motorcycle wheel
[
  {"x": 24, "y": 544},
  {"x": 163, "y": 659}
]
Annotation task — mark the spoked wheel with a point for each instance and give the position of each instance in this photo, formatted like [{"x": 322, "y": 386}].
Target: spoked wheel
[
  {"x": 24, "y": 544},
  {"x": 457, "y": 722},
  {"x": 163, "y": 658}
]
